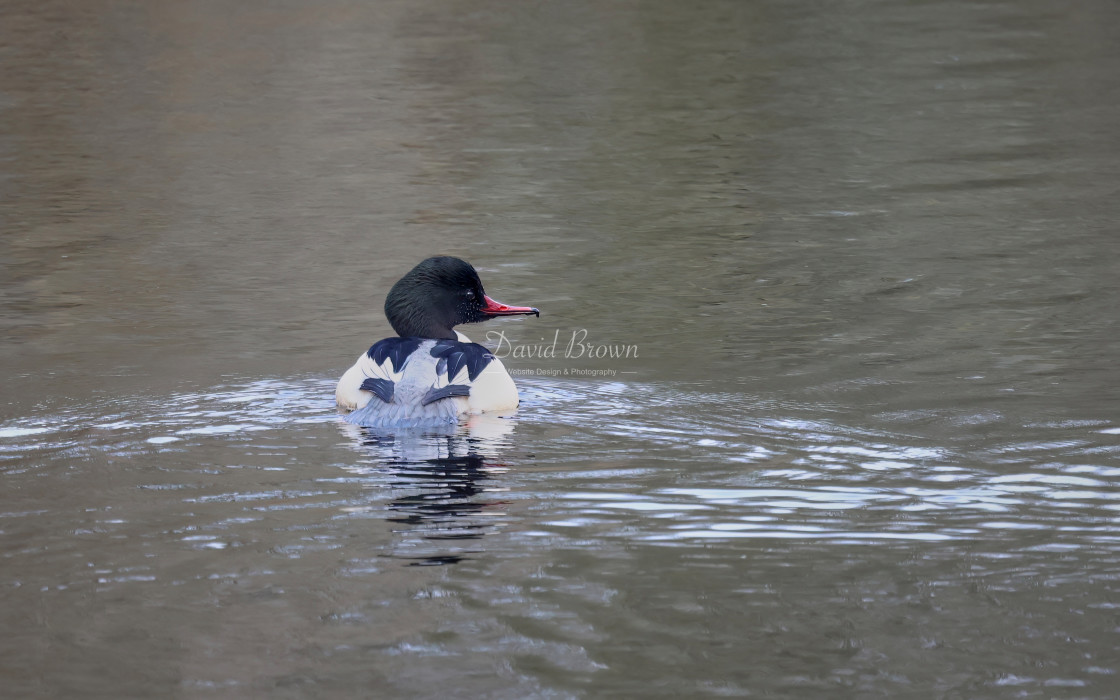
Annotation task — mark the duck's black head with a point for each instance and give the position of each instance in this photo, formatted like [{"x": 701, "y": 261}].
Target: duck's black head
[{"x": 437, "y": 295}]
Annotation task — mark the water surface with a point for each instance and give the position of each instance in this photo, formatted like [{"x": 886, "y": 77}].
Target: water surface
[{"x": 867, "y": 445}]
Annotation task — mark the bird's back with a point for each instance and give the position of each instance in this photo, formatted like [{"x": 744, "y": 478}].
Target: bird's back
[{"x": 423, "y": 382}]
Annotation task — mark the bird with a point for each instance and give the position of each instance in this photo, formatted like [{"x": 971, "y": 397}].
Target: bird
[{"x": 430, "y": 374}]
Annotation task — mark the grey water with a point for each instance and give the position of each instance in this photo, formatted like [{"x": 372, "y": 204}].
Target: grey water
[{"x": 823, "y": 401}]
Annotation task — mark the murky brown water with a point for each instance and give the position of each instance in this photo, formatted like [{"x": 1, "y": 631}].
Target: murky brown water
[{"x": 866, "y": 251}]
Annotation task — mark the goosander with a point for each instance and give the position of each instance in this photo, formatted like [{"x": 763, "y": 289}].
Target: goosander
[{"x": 430, "y": 374}]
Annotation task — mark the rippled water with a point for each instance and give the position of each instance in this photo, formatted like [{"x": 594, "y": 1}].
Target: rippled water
[
  {"x": 609, "y": 538},
  {"x": 866, "y": 444}
]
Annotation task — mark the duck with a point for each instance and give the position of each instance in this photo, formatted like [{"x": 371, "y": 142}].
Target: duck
[{"x": 430, "y": 374}]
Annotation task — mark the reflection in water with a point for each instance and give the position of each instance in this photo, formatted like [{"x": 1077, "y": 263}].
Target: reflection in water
[{"x": 441, "y": 479}]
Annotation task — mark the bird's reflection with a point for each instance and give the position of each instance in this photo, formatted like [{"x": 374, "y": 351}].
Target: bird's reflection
[{"x": 442, "y": 483}]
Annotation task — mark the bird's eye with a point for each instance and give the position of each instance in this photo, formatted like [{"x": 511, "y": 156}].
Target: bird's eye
[{"x": 469, "y": 294}]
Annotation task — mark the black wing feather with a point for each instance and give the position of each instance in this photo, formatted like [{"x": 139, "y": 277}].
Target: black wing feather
[
  {"x": 396, "y": 350},
  {"x": 459, "y": 355},
  {"x": 445, "y": 393},
  {"x": 383, "y": 388}
]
